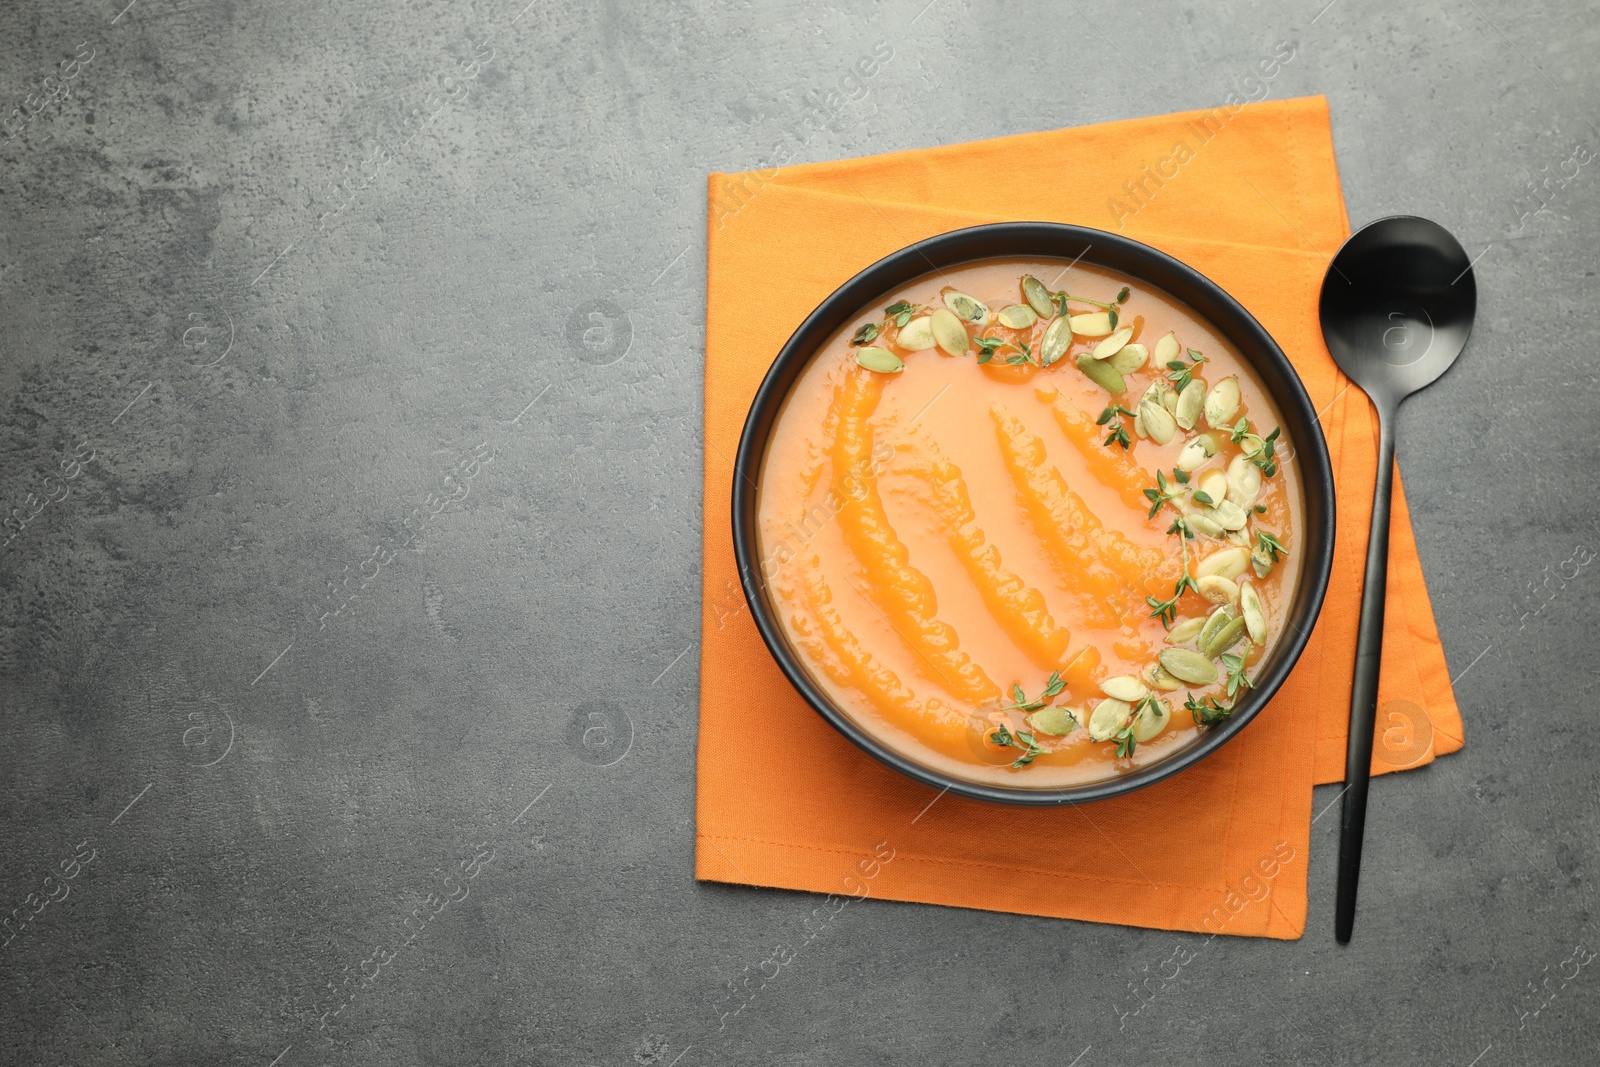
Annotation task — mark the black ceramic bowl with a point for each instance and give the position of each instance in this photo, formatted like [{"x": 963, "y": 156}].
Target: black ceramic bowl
[{"x": 1097, "y": 248}]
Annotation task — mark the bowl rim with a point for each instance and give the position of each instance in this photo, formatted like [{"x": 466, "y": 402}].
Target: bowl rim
[{"x": 1201, "y": 297}]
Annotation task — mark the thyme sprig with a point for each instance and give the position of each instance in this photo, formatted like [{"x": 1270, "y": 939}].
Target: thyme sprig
[
  {"x": 1236, "y": 678},
  {"x": 900, "y": 313},
  {"x": 1053, "y": 687},
  {"x": 1181, "y": 373},
  {"x": 1161, "y": 494},
  {"x": 1270, "y": 545},
  {"x": 1024, "y": 739},
  {"x": 988, "y": 346},
  {"x": 1209, "y": 711},
  {"x": 1021, "y": 739},
  {"x": 1062, "y": 298},
  {"x": 1127, "y": 743},
  {"x": 1167, "y": 610},
  {"x": 1118, "y": 432},
  {"x": 1263, "y": 455}
]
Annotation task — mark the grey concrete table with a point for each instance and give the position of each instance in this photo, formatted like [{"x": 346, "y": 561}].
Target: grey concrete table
[{"x": 351, "y": 370}]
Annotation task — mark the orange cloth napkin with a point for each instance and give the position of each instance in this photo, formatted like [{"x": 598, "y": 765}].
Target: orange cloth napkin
[{"x": 1253, "y": 201}]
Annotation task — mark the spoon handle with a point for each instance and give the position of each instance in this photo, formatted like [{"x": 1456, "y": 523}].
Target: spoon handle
[{"x": 1364, "y": 691}]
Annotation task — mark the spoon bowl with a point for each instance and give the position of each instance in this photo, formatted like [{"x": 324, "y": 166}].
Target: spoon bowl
[{"x": 1397, "y": 305}]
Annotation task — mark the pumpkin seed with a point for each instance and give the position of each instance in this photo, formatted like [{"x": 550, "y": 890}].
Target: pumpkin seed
[
  {"x": 1110, "y": 715},
  {"x": 1017, "y": 316},
  {"x": 1190, "y": 401},
  {"x": 1167, "y": 348},
  {"x": 1055, "y": 721},
  {"x": 1227, "y": 562},
  {"x": 966, "y": 308},
  {"x": 1124, "y": 687},
  {"x": 1151, "y": 720},
  {"x": 1189, "y": 666},
  {"x": 1244, "y": 481},
  {"x": 917, "y": 335},
  {"x": 1261, "y": 561},
  {"x": 1096, "y": 324},
  {"x": 1205, "y": 524},
  {"x": 1057, "y": 339},
  {"x": 1130, "y": 359},
  {"x": 1113, "y": 344},
  {"x": 1255, "y": 617},
  {"x": 1104, "y": 376},
  {"x": 1169, "y": 400},
  {"x": 1158, "y": 425},
  {"x": 1214, "y": 484},
  {"x": 1152, "y": 393},
  {"x": 880, "y": 359},
  {"x": 1213, "y": 626},
  {"x": 1224, "y": 639},
  {"x": 1230, "y": 516},
  {"x": 949, "y": 333},
  {"x": 1037, "y": 296},
  {"x": 1222, "y": 402},
  {"x": 1217, "y": 589},
  {"x": 1239, "y": 537},
  {"x": 1197, "y": 451},
  {"x": 1156, "y": 677},
  {"x": 1184, "y": 631}
]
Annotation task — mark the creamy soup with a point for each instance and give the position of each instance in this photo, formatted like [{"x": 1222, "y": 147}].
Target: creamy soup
[{"x": 1029, "y": 524}]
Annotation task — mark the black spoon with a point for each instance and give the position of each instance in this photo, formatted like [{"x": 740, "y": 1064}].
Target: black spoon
[{"x": 1397, "y": 306}]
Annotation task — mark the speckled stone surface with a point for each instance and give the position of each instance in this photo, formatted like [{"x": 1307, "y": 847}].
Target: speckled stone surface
[{"x": 351, "y": 355}]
